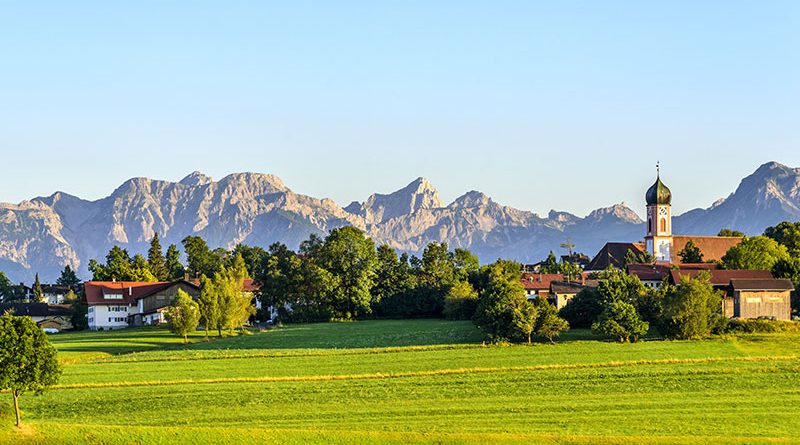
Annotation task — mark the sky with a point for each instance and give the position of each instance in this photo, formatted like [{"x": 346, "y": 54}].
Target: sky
[{"x": 540, "y": 105}]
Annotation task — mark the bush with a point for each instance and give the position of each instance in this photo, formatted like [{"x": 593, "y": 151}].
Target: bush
[{"x": 739, "y": 326}]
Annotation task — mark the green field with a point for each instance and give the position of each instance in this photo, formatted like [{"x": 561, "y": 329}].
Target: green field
[{"x": 423, "y": 381}]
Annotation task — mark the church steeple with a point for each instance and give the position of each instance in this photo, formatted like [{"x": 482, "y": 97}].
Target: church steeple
[{"x": 659, "y": 219}]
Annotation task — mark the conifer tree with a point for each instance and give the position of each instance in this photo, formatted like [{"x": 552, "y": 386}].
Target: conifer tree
[
  {"x": 38, "y": 293},
  {"x": 156, "y": 261}
]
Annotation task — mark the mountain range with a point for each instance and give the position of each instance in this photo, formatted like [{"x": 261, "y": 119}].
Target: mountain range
[{"x": 44, "y": 234}]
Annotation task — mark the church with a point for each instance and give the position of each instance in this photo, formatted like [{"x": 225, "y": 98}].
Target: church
[{"x": 659, "y": 240}]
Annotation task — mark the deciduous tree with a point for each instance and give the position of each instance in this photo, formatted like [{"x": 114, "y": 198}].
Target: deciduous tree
[
  {"x": 620, "y": 321},
  {"x": 691, "y": 253},
  {"x": 693, "y": 310},
  {"x": 183, "y": 315},
  {"x": 27, "y": 359},
  {"x": 758, "y": 252}
]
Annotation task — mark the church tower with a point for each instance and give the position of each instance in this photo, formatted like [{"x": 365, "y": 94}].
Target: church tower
[{"x": 659, "y": 220}]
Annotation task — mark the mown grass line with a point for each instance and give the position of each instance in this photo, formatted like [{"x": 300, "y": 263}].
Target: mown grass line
[
  {"x": 221, "y": 354},
  {"x": 441, "y": 372},
  {"x": 110, "y": 434}
]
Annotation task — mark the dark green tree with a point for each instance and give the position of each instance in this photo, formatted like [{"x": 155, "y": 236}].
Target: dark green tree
[
  {"x": 786, "y": 234},
  {"x": 38, "y": 293},
  {"x": 173, "y": 263},
  {"x": 200, "y": 260},
  {"x": 550, "y": 265},
  {"x": 503, "y": 311},
  {"x": 68, "y": 277},
  {"x": 643, "y": 257},
  {"x": 156, "y": 261},
  {"x": 79, "y": 311},
  {"x": 730, "y": 233},
  {"x": 583, "y": 309},
  {"x": 27, "y": 359},
  {"x": 392, "y": 277},
  {"x": 691, "y": 253},
  {"x": 252, "y": 255},
  {"x": 350, "y": 257}
]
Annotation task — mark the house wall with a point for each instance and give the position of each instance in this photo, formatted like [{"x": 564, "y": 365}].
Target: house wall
[
  {"x": 165, "y": 297},
  {"x": 108, "y": 317},
  {"x": 754, "y": 304},
  {"x": 561, "y": 300}
]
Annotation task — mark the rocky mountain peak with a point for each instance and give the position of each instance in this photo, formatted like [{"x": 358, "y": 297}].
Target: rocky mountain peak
[
  {"x": 418, "y": 195},
  {"x": 195, "y": 178},
  {"x": 615, "y": 213}
]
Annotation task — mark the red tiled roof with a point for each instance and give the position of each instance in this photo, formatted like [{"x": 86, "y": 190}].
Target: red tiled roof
[
  {"x": 540, "y": 281},
  {"x": 649, "y": 272},
  {"x": 723, "y": 277},
  {"x": 712, "y": 247},
  {"x": 130, "y": 291}
]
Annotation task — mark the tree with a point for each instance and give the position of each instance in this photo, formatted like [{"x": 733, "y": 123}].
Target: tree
[
  {"x": 643, "y": 257},
  {"x": 38, "y": 293},
  {"x": 730, "y": 233},
  {"x": 620, "y": 321},
  {"x": 583, "y": 309},
  {"x": 200, "y": 259},
  {"x": 79, "y": 311},
  {"x": 140, "y": 270},
  {"x": 550, "y": 265},
  {"x": 173, "y": 263},
  {"x": 156, "y": 261},
  {"x": 693, "y": 310},
  {"x": 27, "y": 359},
  {"x": 351, "y": 258},
  {"x": 548, "y": 324},
  {"x": 786, "y": 234},
  {"x": 6, "y": 289},
  {"x": 758, "y": 253},
  {"x": 460, "y": 302},
  {"x": 183, "y": 315},
  {"x": 691, "y": 253},
  {"x": 208, "y": 304},
  {"x": 503, "y": 311},
  {"x": 68, "y": 277},
  {"x": 392, "y": 277},
  {"x": 466, "y": 264},
  {"x": 252, "y": 255},
  {"x": 571, "y": 271}
]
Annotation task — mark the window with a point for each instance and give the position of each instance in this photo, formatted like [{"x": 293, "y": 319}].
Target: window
[
  {"x": 663, "y": 225},
  {"x": 112, "y": 296}
]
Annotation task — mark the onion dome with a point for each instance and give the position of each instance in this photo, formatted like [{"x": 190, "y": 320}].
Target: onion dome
[{"x": 658, "y": 194}]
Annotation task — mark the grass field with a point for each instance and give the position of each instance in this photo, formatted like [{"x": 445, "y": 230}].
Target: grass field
[{"x": 423, "y": 381}]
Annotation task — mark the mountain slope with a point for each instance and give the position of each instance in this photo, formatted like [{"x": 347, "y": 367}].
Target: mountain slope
[{"x": 44, "y": 234}]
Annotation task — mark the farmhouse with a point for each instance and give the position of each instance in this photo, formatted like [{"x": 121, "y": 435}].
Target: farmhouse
[
  {"x": 554, "y": 287},
  {"x": 119, "y": 304},
  {"x": 55, "y": 316},
  {"x": 747, "y": 293}
]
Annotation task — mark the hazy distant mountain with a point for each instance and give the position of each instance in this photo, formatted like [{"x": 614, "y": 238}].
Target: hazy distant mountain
[{"x": 44, "y": 234}]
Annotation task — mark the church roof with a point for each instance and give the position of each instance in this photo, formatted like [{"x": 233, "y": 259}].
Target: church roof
[
  {"x": 658, "y": 193},
  {"x": 713, "y": 248}
]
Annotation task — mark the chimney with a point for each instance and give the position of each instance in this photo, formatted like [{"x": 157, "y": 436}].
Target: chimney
[{"x": 130, "y": 290}]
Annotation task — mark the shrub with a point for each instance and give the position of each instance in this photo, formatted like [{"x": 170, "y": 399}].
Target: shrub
[
  {"x": 693, "y": 310},
  {"x": 740, "y": 326}
]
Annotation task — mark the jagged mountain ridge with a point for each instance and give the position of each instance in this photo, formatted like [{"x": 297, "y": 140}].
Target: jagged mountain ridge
[{"x": 44, "y": 234}]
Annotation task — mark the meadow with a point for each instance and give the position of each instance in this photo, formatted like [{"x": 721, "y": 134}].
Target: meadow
[{"x": 418, "y": 381}]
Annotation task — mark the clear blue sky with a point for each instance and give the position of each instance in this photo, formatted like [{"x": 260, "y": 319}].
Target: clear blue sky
[{"x": 540, "y": 105}]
